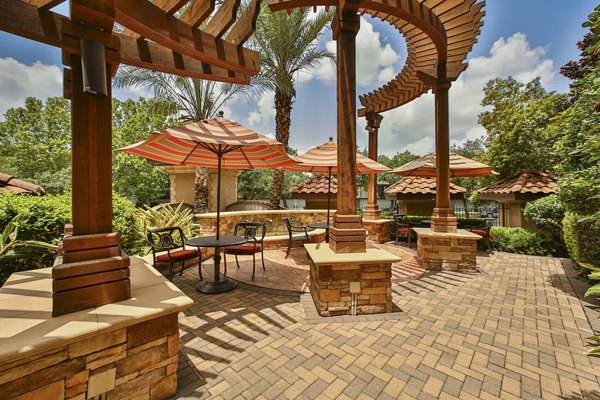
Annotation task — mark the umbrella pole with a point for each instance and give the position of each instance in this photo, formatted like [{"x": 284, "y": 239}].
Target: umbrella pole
[
  {"x": 328, "y": 195},
  {"x": 219, "y": 158}
]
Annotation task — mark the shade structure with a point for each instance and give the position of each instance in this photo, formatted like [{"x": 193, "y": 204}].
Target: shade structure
[
  {"x": 459, "y": 167},
  {"x": 323, "y": 159},
  {"x": 214, "y": 143}
]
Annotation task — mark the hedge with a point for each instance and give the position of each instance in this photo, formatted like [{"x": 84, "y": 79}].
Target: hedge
[
  {"x": 518, "y": 240},
  {"x": 582, "y": 238}
]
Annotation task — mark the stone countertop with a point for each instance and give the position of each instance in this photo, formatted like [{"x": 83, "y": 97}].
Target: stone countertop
[
  {"x": 27, "y": 325},
  {"x": 320, "y": 253},
  {"x": 459, "y": 234}
]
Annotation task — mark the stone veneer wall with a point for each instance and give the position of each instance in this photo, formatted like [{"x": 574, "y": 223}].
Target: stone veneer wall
[
  {"x": 330, "y": 288},
  {"x": 378, "y": 231},
  {"x": 139, "y": 361},
  {"x": 272, "y": 218},
  {"x": 447, "y": 253}
]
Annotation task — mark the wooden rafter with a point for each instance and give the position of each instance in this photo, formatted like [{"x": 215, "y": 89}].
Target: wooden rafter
[
  {"x": 223, "y": 18},
  {"x": 246, "y": 24},
  {"x": 151, "y": 22},
  {"x": 45, "y": 4},
  {"x": 47, "y": 27},
  {"x": 170, "y": 6},
  {"x": 197, "y": 12}
]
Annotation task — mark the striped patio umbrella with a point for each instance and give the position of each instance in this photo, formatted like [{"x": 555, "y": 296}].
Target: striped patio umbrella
[
  {"x": 323, "y": 159},
  {"x": 459, "y": 167}
]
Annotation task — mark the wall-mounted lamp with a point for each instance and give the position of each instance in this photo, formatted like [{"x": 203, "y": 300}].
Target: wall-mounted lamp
[{"x": 93, "y": 64}]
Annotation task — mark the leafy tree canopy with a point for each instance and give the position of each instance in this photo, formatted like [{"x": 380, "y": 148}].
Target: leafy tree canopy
[
  {"x": 516, "y": 125},
  {"x": 35, "y": 143}
]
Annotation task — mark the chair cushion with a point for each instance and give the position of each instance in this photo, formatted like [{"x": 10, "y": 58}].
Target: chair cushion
[
  {"x": 404, "y": 230},
  {"x": 178, "y": 255},
  {"x": 480, "y": 232},
  {"x": 243, "y": 249}
]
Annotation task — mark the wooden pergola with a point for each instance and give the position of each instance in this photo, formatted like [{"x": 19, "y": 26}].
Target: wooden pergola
[
  {"x": 164, "y": 36},
  {"x": 439, "y": 35}
]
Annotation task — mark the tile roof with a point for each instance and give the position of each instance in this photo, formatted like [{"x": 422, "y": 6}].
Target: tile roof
[
  {"x": 525, "y": 182},
  {"x": 316, "y": 184},
  {"x": 419, "y": 185},
  {"x": 10, "y": 184}
]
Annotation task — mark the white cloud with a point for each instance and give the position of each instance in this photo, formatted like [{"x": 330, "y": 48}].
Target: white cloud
[
  {"x": 376, "y": 63},
  {"x": 19, "y": 81},
  {"x": 407, "y": 127},
  {"x": 265, "y": 112}
]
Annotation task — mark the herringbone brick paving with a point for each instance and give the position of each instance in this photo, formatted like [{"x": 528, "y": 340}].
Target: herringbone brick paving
[{"x": 513, "y": 331}]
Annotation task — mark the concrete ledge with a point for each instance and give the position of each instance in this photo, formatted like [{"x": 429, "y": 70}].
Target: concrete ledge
[
  {"x": 27, "y": 326},
  {"x": 320, "y": 253},
  {"x": 459, "y": 234}
]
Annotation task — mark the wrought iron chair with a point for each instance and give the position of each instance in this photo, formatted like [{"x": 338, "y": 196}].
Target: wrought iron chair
[
  {"x": 255, "y": 233},
  {"x": 483, "y": 231},
  {"x": 293, "y": 237},
  {"x": 171, "y": 240},
  {"x": 402, "y": 226}
]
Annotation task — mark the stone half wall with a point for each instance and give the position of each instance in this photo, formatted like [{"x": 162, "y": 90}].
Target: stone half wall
[{"x": 139, "y": 361}]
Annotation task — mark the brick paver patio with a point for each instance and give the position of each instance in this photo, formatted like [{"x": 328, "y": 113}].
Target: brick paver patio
[{"x": 514, "y": 331}]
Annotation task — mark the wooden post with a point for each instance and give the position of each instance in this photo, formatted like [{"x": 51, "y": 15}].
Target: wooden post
[
  {"x": 372, "y": 211},
  {"x": 443, "y": 218},
  {"x": 346, "y": 235},
  {"x": 91, "y": 269}
]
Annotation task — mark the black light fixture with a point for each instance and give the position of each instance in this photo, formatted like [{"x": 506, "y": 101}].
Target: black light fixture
[{"x": 93, "y": 65}]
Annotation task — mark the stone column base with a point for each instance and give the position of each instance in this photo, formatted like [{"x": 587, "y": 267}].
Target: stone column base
[
  {"x": 378, "y": 231},
  {"x": 334, "y": 277},
  {"x": 347, "y": 234},
  {"x": 443, "y": 220},
  {"x": 441, "y": 251},
  {"x": 371, "y": 212}
]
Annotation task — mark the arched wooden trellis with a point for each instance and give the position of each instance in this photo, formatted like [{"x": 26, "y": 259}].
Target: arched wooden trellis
[
  {"x": 162, "y": 35},
  {"x": 439, "y": 35}
]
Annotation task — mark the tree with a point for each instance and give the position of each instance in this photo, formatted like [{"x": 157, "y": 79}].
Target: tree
[
  {"x": 398, "y": 159},
  {"x": 192, "y": 99},
  {"x": 287, "y": 44},
  {"x": 35, "y": 143},
  {"x": 475, "y": 150},
  {"x": 133, "y": 176},
  {"x": 517, "y": 125}
]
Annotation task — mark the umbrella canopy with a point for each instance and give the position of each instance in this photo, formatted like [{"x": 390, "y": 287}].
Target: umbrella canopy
[
  {"x": 323, "y": 159},
  {"x": 200, "y": 143},
  {"x": 459, "y": 167}
]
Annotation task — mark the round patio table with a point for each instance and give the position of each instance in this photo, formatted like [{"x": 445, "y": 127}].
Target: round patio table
[
  {"x": 220, "y": 284},
  {"x": 321, "y": 225}
]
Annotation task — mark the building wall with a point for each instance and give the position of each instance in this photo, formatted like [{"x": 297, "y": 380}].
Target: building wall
[{"x": 182, "y": 179}]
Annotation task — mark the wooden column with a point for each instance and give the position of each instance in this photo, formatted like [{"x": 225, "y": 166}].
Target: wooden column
[
  {"x": 443, "y": 218},
  {"x": 346, "y": 235},
  {"x": 371, "y": 211},
  {"x": 91, "y": 269}
]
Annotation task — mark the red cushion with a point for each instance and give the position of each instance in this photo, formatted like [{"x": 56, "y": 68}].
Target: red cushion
[
  {"x": 480, "y": 232},
  {"x": 177, "y": 255},
  {"x": 243, "y": 249},
  {"x": 404, "y": 230}
]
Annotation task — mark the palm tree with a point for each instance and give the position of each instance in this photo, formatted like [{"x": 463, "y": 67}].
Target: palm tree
[
  {"x": 288, "y": 45},
  {"x": 194, "y": 99}
]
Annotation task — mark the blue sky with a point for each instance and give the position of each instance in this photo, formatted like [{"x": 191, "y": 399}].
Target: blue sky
[{"x": 522, "y": 38}]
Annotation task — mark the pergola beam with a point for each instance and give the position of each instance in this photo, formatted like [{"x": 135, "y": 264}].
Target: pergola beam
[
  {"x": 246, "y": 24},
  {"x": 223, "y": 18},
  {"x": 44, "y": 4},
  {"x": 153, "y": 23},
  {"x": 197, "y": 12}
]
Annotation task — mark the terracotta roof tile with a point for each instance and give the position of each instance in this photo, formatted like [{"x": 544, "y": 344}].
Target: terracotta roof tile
[
  {"x": 524, "y": 182},
  {"x": 419, "y": 185},
  {"x": 316, "y": 184},
  {"x": 12, "y": 185}
]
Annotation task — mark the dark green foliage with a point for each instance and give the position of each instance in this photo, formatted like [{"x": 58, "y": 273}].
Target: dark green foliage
[
  {"x": 582, "y": 239},
  {"x": 518, "y": 240},
  {"x": 395, "y": 161},
  {"x": 547, "y": 213},
  {"x": 43, "y": 219}
]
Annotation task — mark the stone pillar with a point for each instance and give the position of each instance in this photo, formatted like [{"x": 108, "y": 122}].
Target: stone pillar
[
  {"x": 91, "y": 269},
  {"x": 346, "y": 235},
  {"x": 371, "y": 211},
  {"x": 443, "y": 219}
]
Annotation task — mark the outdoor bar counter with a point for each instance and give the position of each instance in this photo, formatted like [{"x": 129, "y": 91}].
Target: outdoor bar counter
[{"x": 122, "y": 349}]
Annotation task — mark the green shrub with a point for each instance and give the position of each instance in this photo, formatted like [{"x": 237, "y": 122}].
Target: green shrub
[
  {"x": 582, "y": 239},
  {"x": 518, "y": 240},
  {"x": 547, "y": 213}
]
